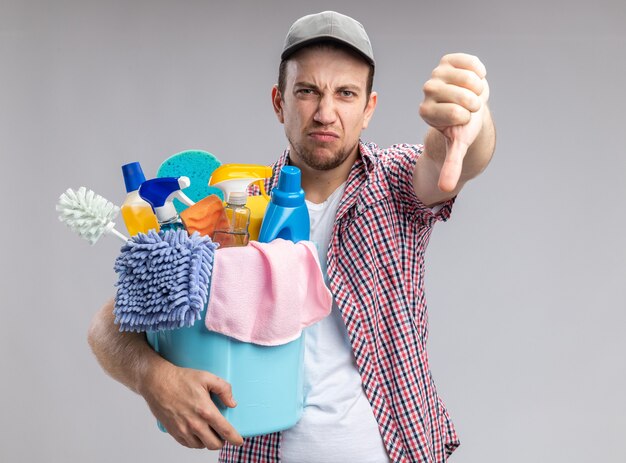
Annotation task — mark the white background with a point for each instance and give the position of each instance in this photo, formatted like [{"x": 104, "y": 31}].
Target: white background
[{"x": 525, "y": 284}]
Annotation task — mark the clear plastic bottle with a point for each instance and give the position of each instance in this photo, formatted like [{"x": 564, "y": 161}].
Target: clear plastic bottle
[{"x": 239, "y": 219}]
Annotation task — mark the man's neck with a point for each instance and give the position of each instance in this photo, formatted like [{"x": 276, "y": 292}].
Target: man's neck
[{"x": 318, "y": 185}]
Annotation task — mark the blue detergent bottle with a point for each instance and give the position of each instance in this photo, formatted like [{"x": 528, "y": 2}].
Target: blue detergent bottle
[
  {"x": 287, "y": 216},
  {"x": 267, "y": 381}
]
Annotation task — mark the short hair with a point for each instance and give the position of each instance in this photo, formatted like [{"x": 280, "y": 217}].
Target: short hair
[{"x": 328, "y": 44}]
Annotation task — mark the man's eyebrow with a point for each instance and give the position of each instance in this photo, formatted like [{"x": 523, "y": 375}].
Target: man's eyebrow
[
  {"x": 352, "y": 87},
  {"x": 306, "y": 84}
]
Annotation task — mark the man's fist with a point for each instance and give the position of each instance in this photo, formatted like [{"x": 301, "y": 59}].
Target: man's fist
[{"x": 454, "y": 103}]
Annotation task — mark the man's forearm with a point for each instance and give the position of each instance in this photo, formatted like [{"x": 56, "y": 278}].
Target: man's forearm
[
  {"x": 180, "y": 398},
  {"x": 125, "y": 356}
]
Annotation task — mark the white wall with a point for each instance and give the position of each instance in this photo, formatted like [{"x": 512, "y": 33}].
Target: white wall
[{"x": 525, "y": 283}]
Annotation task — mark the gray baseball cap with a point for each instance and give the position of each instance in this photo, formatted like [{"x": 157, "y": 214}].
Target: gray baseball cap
[{"x": 328, "y": 25}]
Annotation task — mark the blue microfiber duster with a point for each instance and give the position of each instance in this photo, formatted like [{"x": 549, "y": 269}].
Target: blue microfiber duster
[{"x": 163, "y": 281}]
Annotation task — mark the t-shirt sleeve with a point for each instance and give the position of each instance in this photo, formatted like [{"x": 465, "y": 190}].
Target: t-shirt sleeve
[{"x": 399, "y": 162}]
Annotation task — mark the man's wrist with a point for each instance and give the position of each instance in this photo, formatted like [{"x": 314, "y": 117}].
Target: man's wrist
[{"x": 152, "y": 368}]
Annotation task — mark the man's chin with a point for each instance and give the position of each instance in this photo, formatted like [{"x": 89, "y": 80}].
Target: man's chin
[
  {"x": 321, "y": 156},
  {"x": 323, "y": 160}
]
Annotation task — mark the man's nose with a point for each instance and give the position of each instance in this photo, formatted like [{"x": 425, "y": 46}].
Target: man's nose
[{"x": 325, "y": 113}]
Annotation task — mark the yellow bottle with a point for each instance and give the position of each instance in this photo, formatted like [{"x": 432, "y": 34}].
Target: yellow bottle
[{"x": 137, "y": 213}]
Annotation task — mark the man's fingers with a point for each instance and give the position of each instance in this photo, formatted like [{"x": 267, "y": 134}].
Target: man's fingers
[
  {"x": 194, "y": 442},
  {"x": 188, "y": 440},
  {"x": 220, "y": 425},
  {"x": 452, "y": 166},
  {"x": 460, "y": 78},
  {"x": 443, "y": 115},
  {"x": 466, "y": 61},
  {"x": 210, "y": 439},
  {"x": 222, "y": 389},
  {"x": 210, "y": 413},
  {"x": 440, "y": 92}
]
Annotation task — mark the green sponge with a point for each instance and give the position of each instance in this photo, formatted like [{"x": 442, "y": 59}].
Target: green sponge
[{"x": 198, "y": 166}]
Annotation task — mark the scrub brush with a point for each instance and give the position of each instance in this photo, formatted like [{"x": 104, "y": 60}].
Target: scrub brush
[{"x": 88, "y": 214}]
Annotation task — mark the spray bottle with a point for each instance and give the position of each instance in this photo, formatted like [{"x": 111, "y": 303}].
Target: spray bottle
[
  {"x": 160, "y": 193},
  {"x": 287, "y": 216},
  {"x": 236, "y": 233},
  {"x": 137, "y": 213},
  {"x": 231, "y": 178}
]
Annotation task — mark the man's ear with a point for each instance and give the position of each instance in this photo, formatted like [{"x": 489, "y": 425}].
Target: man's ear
[
  {"x": 369, "y": 109},
  {"x": 277, "y": 103}
]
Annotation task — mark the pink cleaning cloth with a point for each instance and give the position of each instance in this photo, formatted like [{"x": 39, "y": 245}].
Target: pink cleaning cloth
[{"x": 266, "y": 293}]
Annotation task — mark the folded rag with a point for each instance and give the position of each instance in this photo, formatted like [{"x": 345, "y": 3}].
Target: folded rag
[
  {"x": 205, "y": 216},
  {"x": 163, "y": 280},
  {"x": 266, "y": 293}
]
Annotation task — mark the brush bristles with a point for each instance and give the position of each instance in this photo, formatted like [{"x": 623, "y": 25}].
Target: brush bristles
[{"x": 87, "y": 213}]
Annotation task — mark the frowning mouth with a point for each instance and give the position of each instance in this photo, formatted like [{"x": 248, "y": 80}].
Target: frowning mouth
[{"x": 323, "y": 136}]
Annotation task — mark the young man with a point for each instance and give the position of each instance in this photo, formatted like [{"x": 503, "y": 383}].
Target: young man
[{"x": 370, "y": 396}]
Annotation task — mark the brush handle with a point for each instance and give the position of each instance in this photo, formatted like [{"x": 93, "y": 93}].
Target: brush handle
[{"x": 119, "y": 235}]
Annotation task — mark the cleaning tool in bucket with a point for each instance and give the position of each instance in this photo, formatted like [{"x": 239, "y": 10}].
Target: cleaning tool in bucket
[
  {"x": 237, "y": 178},
  {"x": 235, "y": 233},
  {"x": 136, "y": 212},
  {"x": 160, "y": 193},
  {"x": 163, "y": 280},
  {"x": 88, "y": 214},
  {"x": 205, "y": 216},
  {"x": 284, "y": 284},
  {"x": 271, "y": 375},
  {"x": 198, "y": 166},
  {"x": 287, "y": 216},
  {"x": 267, "y": 381}
]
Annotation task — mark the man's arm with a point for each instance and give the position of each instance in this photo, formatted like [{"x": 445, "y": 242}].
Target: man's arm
[
  {"x": 461, "y": 139},
  {"x": 178, "y": 397}
]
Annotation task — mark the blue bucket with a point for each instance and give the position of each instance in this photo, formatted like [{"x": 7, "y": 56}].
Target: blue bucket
[{"x": 267, "y": 381}]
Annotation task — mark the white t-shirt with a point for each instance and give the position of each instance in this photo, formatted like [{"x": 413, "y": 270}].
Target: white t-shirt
[{"x": 337, "y": 423}]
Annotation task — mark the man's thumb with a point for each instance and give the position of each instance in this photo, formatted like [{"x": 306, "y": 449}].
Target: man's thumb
[{"x": 452, "y": 165}]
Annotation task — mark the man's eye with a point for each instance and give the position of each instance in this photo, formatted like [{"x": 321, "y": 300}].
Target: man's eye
[
  {"x": 347, "y": 93},
  {"x": 305, "y": 91}
]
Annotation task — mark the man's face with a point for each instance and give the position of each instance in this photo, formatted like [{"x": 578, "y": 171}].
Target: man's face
[{"x": 324, "y": 106}]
